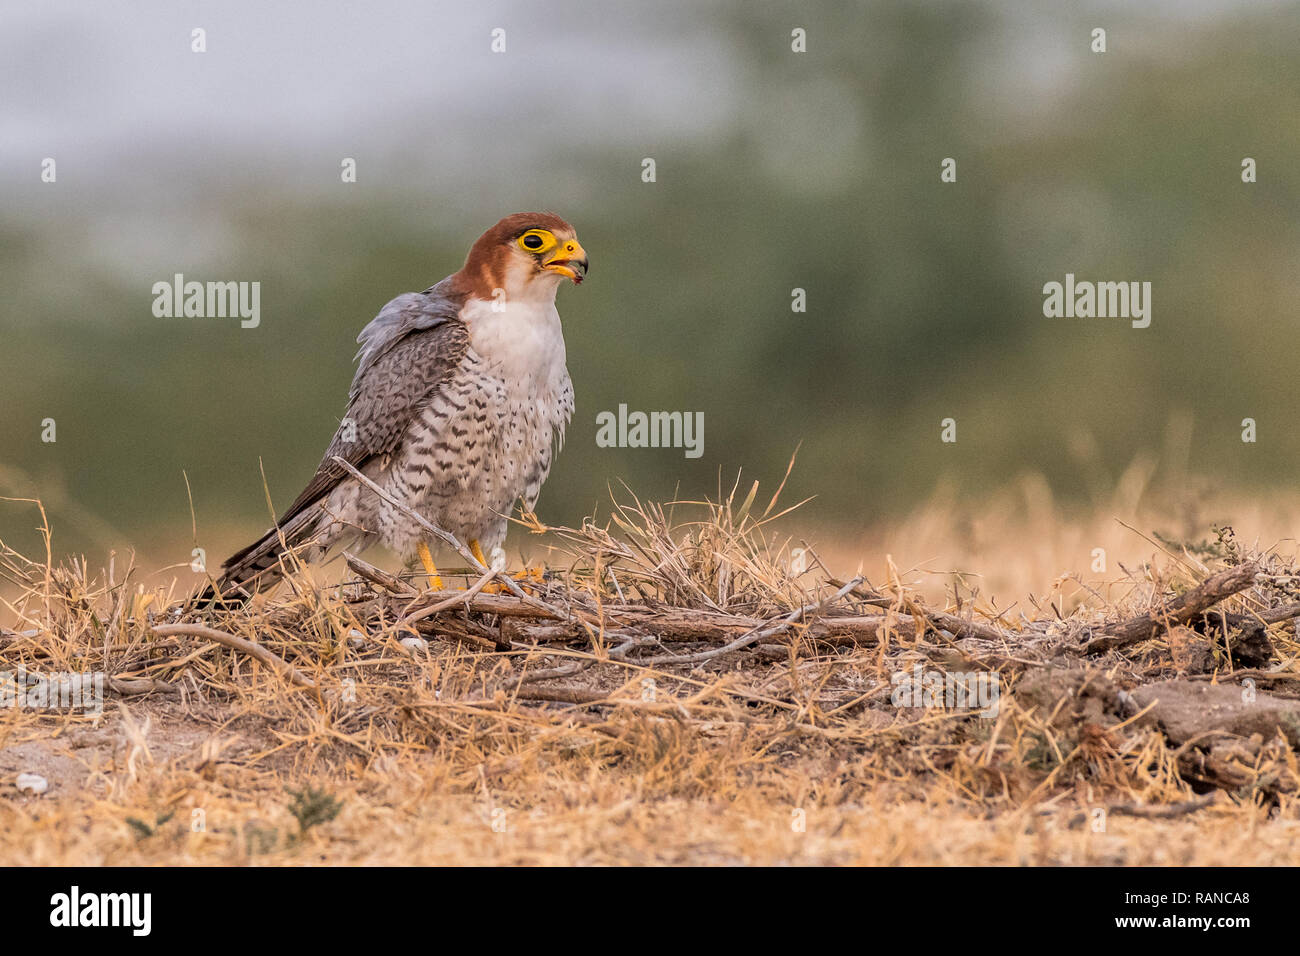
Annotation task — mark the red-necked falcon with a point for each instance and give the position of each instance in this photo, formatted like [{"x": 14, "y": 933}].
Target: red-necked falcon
[{"x": 461, "y": 393}]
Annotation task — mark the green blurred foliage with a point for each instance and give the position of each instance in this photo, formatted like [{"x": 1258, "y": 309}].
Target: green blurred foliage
[{"x": 924, "y": 299}]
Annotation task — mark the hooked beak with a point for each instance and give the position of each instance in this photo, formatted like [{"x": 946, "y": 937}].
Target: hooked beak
[{"x": 570, "y": 260}]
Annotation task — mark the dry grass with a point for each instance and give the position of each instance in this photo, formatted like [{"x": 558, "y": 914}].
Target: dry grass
[{"x": 673, "y": 692}]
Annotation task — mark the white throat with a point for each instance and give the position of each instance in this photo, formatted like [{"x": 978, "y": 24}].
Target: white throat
[{"x": 521, "y": 340}]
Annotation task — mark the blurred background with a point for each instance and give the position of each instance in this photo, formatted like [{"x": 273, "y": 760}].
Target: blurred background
[{"x": 775, "y": 170}]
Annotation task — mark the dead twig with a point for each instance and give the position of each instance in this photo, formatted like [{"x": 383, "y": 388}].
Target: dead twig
[
  {"x": 1180, "y": 610},
  {"x": 753, "y": 637},
  {"x": 129, "y": 686},
  {"x": 461, "y": 598},
  {"x": 378, "y": 577},
  {"x": 238, "y": 644}
]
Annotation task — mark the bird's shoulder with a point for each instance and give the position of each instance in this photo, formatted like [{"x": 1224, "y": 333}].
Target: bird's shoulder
[{"x": 398, "y": 327}]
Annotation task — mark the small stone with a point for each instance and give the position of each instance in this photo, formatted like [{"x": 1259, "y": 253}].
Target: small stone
[
  {"x": 415, "y": 645},
  {"x": 32, "y": 783}
]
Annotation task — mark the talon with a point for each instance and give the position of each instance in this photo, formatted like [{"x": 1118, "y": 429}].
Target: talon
[
  {"x": 527, "y": 577},
  {"x": 495, "y": 562}
]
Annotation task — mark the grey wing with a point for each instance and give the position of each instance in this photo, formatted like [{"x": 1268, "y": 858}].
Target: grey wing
[
  {"x": 409, "y": 312},
  {"x": 407, "y": 351}
]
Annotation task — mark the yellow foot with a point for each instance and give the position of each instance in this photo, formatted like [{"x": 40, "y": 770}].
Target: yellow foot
[
  {"x": 431, "y": 569},
  {"x": 534, "y": 575},
  {"x": 525, "y": 577}
]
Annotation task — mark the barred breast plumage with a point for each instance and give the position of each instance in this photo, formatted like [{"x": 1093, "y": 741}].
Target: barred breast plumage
[{"x": 484, "y": 441}]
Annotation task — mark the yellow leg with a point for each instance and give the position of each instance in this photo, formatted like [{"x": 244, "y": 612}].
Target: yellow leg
[{"x": 431, "y": 569}]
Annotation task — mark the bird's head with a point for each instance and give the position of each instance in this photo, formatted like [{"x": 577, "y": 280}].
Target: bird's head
[{"x": 527, "y": 254}]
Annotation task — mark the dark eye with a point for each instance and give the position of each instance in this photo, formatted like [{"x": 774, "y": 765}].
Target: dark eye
[{"x": 536, "y": 240}]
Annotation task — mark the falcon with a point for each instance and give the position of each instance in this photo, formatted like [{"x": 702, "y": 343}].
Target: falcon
[{"x": 461, "y": 393}]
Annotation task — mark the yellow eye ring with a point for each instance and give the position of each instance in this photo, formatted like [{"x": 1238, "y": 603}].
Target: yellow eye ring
[{"x": 536, "y": 241}]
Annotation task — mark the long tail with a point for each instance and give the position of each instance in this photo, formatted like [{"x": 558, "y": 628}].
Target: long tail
[{"x": 258, "y": 566}]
